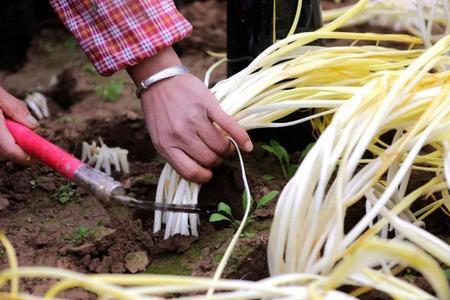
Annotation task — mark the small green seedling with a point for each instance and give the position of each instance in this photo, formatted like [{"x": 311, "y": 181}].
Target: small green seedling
[
  {"x": 81, "y": 233},
  {"x": 283, "y": 157},
  {"x": 66, "y": 193},
  {"x": 224, "y": 214},
  {"x": 268, "y": 177},
  {"x": 306, "y": 150},
  {"x": 110, "y": 91},
  {"x": 266, "y": 199},
  {"x": 224, "y": 210},
  {"x": 447, "y": 273}
]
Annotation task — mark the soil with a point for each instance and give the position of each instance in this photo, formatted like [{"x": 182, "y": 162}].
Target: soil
[{"x": 90, "y": 236}]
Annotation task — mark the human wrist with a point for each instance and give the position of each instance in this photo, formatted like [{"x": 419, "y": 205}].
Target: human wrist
[
  {"x": 163, "y": 75},
  {"x": 151, "y": 65}
]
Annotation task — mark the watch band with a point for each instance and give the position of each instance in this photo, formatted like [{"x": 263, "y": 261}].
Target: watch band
[{"x": 163, "y": 74}]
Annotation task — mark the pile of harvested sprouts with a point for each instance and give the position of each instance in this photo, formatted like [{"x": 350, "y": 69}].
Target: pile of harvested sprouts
[{"x": 103, "y": 157}]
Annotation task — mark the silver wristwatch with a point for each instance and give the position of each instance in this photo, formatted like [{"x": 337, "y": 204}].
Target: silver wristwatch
[{"x": 163, "y": 74}]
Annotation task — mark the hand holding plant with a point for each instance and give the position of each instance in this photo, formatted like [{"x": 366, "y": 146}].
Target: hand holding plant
[{"x": 185, "y": 121}]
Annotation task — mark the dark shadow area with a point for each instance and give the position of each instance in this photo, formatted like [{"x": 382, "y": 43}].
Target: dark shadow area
[{"x": 19, "y": 20}]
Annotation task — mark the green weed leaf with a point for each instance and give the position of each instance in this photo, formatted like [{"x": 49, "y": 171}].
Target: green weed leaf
[
  {"x": 306, "y": 150},
  {"x": 267, "y": 198},
  {"x": 284, "y": 154},
  {"x": 447, "y": 274},
  {"x": 223, "y": 207},
  {"x": 66, "y": 193},
  {"x": 274, "y": 144},
  {"x": 270, "y": 150},
  {"x": 281, "y": 153},
  {"x": 277, "y": 148},
  {"x": 218, "y": 217},
  {"x": 81, "y": 233},
  {"x": 268, "y": 177},
  {"x": 292, "y": 170}
]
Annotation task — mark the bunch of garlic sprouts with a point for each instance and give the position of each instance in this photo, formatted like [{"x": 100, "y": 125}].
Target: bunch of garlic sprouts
[
  {"x": 307, "y": 233},
  {"x": 38, "y": 105},
  {"x": 176, "y": 191},
  {"x": 103, "y": 157},
  {"x": 284, "y": 78},
  {"x": 269, "y": 74},
  {"x": 288, "y": 76},
  {"x": 318, "y": 78},
  {"x": 288, "y": 286},
  {"x": 428, "y": 19}
]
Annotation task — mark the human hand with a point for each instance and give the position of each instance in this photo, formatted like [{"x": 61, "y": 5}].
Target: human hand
[
  {"x": 15, "y": 109},
  {"x": 181, "y": 114},
  {"x": 185, "y": 121}
]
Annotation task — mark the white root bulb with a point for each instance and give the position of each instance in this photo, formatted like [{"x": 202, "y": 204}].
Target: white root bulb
[
  {"x": 38, "y": 105},
  {"x": 174, "y": 190},
  {"x": 102, "y": 157}
]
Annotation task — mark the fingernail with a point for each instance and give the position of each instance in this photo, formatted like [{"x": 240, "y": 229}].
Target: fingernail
[
  {"x": 248, "y": 146},
  {"x": 32, "y": 120}
]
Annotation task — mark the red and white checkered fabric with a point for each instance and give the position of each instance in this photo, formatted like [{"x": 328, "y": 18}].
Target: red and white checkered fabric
[{"x": 116, "y": 34}]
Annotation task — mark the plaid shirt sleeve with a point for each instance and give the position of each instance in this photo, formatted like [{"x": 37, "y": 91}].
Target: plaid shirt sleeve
[{"x": 116, "y": 34}]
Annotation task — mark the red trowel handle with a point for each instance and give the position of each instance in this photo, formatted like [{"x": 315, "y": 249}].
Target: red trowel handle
[
  {"x": 43, "y": 150},
  {"x": 97, "y": 183}
]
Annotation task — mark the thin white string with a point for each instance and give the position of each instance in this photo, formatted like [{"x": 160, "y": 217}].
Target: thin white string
[{"x": 234, "y": 240}]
